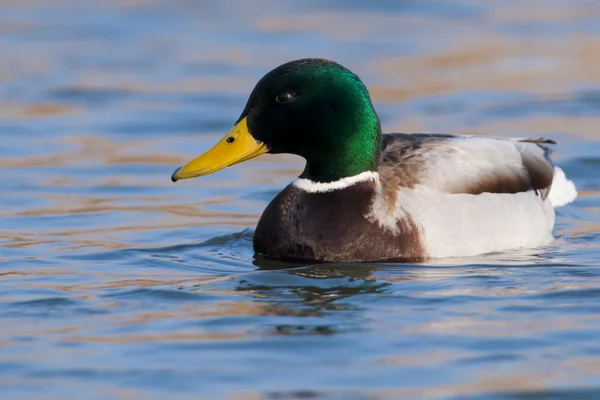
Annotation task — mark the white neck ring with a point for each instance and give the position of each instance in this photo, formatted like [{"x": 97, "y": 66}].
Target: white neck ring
[{"x": 323, "y": 187}]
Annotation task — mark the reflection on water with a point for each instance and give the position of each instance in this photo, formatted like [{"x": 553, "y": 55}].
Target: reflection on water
[{"x": 118, "y": 284}]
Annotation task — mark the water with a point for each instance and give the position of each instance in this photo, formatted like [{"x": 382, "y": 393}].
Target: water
[{"x": 116, "y": 283}]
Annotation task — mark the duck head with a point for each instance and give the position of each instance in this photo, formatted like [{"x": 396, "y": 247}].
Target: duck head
[{"x": 313, "y": 108}]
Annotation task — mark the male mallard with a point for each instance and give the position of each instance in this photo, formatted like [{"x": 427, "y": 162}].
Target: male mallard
[{"x": 364, "y": 196}]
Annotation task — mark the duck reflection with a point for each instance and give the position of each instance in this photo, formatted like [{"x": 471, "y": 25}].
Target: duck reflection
[
  {"x": 309, "y": 299},
  {"x": 318, "y": 270}
]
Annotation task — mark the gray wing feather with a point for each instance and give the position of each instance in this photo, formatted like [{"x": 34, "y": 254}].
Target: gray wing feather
[{"x": 467, "y": 164}]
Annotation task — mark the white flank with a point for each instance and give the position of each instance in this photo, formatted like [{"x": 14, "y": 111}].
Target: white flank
[
  {"x": 466, "y": 225},
  {"x": 563, "y": 190},
  {"x": 460, "y": 225},
  {"x": 323, "y": 187}
]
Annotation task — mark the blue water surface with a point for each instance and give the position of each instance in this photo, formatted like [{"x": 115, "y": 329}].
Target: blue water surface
[{"x": 117, "y": 283}]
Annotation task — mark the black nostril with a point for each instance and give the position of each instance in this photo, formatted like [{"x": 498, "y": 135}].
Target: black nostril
[{"x": 230, "y": 139}]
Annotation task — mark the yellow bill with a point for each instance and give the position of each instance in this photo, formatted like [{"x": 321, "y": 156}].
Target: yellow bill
[{"x": 237, "y": 146}]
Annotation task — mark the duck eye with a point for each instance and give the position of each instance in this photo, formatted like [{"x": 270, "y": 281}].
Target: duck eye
[
  {"x": 284, "y": 97},
  {"x": 230, "y": 139}
]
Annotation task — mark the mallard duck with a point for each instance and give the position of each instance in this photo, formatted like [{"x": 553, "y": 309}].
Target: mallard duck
[{"x": 368, "y": 196}]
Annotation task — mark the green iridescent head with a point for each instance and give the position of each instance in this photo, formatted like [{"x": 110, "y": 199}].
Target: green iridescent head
[{"x": 313, "y": 108}]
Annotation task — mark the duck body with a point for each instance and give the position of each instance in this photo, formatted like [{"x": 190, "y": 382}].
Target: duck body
[
  {"x": 367, "y": 196},
  {"x": 496, "y": 195}
]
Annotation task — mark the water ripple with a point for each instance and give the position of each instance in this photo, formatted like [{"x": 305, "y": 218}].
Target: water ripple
[{"x": 117, "y": 283}]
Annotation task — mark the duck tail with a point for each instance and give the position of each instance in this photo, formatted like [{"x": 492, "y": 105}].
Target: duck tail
[{"x": 563, "y": 190}]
